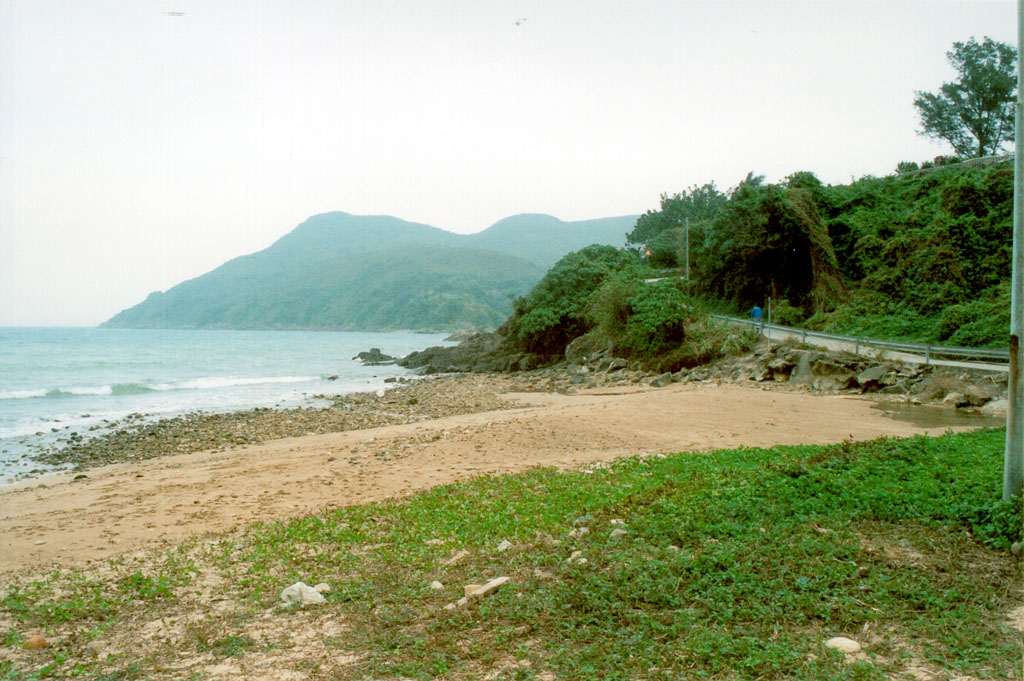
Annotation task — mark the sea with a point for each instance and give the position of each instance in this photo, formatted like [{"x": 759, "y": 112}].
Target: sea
[{"x": 58, "y": 381}]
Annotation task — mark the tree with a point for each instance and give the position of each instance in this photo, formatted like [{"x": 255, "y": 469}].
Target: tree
[
  {"x": 665, "y": 231},
  {"x": 974, "y": 113},
  {"x": 698, "y": 204},
  {"x": 771, "y": 240}
]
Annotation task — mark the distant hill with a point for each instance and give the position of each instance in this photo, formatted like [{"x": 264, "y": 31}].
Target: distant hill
[
  {"x": 374, "y": 273},
  {"x": 543, "y": 239}
]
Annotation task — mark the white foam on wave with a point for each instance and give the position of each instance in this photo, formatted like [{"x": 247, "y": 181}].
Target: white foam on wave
[
  {"x": 205, "y": 383},
  {"x": 21, "y": 394},
  {"x": 214, "y": 382}
]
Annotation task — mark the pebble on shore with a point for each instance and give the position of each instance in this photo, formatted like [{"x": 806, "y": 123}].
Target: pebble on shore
[{"x": 135, "y": 439}]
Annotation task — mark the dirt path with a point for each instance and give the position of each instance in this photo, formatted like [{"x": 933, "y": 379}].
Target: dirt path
[{"x": 124, "y": 507}]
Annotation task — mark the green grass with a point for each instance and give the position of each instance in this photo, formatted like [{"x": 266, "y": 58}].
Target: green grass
[{"x": 736, "y": 565}]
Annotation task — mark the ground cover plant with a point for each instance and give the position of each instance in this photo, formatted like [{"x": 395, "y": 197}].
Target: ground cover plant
[{"x": 733, "y": 564}]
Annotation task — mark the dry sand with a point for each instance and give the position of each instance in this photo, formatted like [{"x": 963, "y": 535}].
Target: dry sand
[{"x": 59, "y": 521}]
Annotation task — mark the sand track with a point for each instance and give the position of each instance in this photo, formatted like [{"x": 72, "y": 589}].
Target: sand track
[{"x": 58, "y": 521}]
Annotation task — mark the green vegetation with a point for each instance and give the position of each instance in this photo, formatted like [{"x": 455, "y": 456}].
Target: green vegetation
[
  {"x": 613, "y": 300},
  {"x": 374, "y": 273},
  {"x": 734, "y": 564},
  {"x": 975, "y": 113},
  {"x": 660, "y": 324},
  {"x": 918, "y": 256},
  {"x": 555, "y": 311}
]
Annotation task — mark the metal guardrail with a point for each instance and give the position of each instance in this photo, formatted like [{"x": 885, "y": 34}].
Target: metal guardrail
[{"x": 929, "y": 351}]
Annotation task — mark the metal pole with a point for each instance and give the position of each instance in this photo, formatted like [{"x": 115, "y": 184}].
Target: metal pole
[{"x": 1013, "y": 461}]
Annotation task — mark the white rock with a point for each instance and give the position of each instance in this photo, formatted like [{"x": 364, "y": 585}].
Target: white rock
[
  {"x": 302, "y": 594},
  {"x": 578, "y": 532},
  {"x": 617, "y": 533},
  {"x": 323, "y": 588},
  {"x": 470, "y": 589},
  {"x": 843, "y": 644},
  {"x": 576, "y": 558},
  {"x": 489, "y": 587},
  {"x": 436, "y": 585},
  {"x": 617, "y": 521},
  {"x": 505, "y": 545}
]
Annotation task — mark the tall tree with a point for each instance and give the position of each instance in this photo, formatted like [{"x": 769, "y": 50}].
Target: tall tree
[
  {"x": 975, "y": 112},
  {"x": 665, "y": 231},
  {"x": 770, "y": 240}
]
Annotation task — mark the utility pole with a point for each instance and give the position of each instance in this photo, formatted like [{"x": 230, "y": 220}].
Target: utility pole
[{"x": 1013, "y": 461}]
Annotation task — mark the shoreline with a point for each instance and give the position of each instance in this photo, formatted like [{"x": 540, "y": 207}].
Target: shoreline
[
  {"x": 461, "y": 426},
  {"x": 405, "y": 400},
  {"x": 139, "y": 437}
]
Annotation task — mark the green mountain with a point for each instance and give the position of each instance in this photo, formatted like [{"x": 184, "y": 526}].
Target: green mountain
[
  {"x": 543, "y": 239},
  {"x": 373, "y": 273}
]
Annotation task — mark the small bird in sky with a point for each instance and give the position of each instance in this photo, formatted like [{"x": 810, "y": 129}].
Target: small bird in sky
[{"x": 520, "y": 20}]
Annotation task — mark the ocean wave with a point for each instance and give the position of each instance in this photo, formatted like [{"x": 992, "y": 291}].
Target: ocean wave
[
  {"x": 130, "y": 389},
  {"x": 57, "y": 393},
  {"x": 205, "y": 383},
  {"x": 214, "y": 382},
  {"x": 21, "y": 394}
]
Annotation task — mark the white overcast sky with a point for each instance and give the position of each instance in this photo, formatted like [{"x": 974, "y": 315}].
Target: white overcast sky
[{"x": 144, "y": 142}]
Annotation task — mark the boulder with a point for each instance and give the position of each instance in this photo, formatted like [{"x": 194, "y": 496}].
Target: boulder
[
  {"x": 871, "y": 378},
  {"x": 995, "y": 407},
  {"x": 898, "y": 388},
  {"x": 973, "y": 397},
  {"x": 781, "y": 368},
  {"x": 36, "y": 642},
  {"x": 374, "y": 357},
  {"x": 616, "y": 364},
  {"x": 662, "y": 380},
  {"x": 831, "y": 376},
  {"x": 489, "y": 587},
  {"x": 302, "y": 594},
  {"x": 843, "y": 644},
  {"x": 586, "y": 349},
  {"x": 473, "y": 591},
  {"x": 483, "y": 353},
  {"x": 463, "y": 334}
]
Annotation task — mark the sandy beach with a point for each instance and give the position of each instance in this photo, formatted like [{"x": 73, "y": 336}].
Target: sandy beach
[{"x": 123, "y": 507}]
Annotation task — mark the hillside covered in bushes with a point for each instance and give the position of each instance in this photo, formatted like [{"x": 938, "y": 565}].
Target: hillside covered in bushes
[{"x": 918, "y": 255}]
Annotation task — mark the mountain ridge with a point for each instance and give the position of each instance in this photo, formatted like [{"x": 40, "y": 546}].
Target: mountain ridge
[{"x": 341, "y": 271}]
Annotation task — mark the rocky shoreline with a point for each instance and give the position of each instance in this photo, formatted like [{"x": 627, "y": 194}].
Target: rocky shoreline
[{"x": 778, "y": 367}]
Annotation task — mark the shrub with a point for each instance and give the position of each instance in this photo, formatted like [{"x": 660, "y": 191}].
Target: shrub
[
  {"x": 784, "y": 313},
  {"x": 707, "y": 340},
  {"x": 658, "y": 313},
  {"x": 555, "y": 311}
]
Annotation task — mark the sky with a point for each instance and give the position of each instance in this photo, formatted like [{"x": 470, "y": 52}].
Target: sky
[{"x": 145, "y": 142}]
